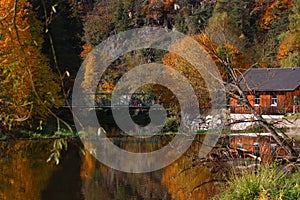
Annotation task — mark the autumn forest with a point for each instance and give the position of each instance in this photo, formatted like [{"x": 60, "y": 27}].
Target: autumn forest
[
  {"x": 43, "y": 43},
  {"x": 44, "y": 155}
]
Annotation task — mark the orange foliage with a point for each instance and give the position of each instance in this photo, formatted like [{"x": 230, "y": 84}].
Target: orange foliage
[
  {"x": 274, "y": 11},
  {"x": 189, "y": 71},
  {"x": 11, "y": 76},
  {"x": 106, "y": 87},
  {"x": 234, "y": 58},
  {"x": 290, "y": 44},
  {"x": 87, "y": 48},
  {"x": 209, "y": 46},
  {"x": 23, "y": 66},
  {"x": 169, "y": 4},
  {"x": 186, "y": 69}
]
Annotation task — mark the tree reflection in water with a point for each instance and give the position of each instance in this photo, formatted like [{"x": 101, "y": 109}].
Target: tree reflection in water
[{"x": 25, "y": 174}]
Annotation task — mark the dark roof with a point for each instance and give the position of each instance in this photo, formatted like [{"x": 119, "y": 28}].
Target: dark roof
[{"x": 271, "y": 79}]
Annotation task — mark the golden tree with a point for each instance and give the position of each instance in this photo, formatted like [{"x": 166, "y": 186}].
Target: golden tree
[
  {"x": 223, "y": 55},
  {"x": 275, "y": 12},
  {"x": 28, "y": 85}
]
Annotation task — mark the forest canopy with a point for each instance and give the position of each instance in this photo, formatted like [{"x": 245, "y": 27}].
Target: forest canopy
[{"x": 42, "y": 41}]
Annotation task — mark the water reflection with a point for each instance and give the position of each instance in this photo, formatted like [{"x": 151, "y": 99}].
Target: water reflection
[
  {"x": 101, "y": 182},
  {"x": 25, "y": 174}
]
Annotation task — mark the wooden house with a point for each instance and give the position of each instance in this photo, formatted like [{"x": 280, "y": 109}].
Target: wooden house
[{"x": 270, "y": 91}]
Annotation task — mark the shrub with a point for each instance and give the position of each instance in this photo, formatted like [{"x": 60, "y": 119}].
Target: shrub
[
  {"x": 171, "y": 124},
  {"x": 269, "y": 182}
]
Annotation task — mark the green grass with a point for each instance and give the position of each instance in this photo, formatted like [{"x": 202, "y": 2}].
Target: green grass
[
  {"x": 3, "y": 137},
  {"x": 268, "y": 183},
  {"x": 293, "y": 116},
  {"x": 28, "y": 134},
  {"x": 202, "y": 132}
]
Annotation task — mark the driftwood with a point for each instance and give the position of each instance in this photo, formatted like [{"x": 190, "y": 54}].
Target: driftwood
[
  {"x": 288, "y": 159},
  {"x": 252, "y": 166}
]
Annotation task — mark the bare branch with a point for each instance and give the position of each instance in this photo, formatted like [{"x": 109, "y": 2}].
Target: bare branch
[{"x": 206, "y": 182}]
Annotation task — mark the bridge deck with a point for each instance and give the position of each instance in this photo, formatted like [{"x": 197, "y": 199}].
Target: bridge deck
[{"x": 115, "y": 106}]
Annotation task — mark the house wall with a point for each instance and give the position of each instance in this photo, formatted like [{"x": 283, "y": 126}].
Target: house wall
[
  {"x": 290, "y": 101},
  {"x": 235, "y": 108},
  {"x": 285, "y": 102}
]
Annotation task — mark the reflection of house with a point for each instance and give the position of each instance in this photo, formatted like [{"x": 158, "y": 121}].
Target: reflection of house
[
  {"x": 270, "y": 91},
  {"x": 262, "y": 144}
]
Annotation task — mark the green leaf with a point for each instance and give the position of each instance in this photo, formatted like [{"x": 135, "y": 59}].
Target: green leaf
[{"x": 82, "y": 151}]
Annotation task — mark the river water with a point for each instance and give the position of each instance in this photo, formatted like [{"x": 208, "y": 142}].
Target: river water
[{"x": 25, "y": 174}]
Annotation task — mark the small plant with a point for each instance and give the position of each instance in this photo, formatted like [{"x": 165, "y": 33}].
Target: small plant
[
  {"x": 58, "y": 146},
  {"x": 269, "y": 182},
  {"x": 171, "y": 125},
  {"x": 63, "y": 133},
  {"x": 3, "y": 137}
]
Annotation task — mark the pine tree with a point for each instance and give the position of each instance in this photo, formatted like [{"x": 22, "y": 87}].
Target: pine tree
[
  {"x": 123, "y": 15},
  {"x": 99, "y": 23},
  {"x": 289, "y": 49}
]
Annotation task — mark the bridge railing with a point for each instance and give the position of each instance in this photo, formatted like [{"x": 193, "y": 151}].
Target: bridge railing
[{"x": 103, "y": 99}]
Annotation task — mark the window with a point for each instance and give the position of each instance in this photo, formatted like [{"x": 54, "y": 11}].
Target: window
[
  {"x": 274, "y": 100},
  {"x": 297, "y": 100},
  {"x": 256, "y": 100}
]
